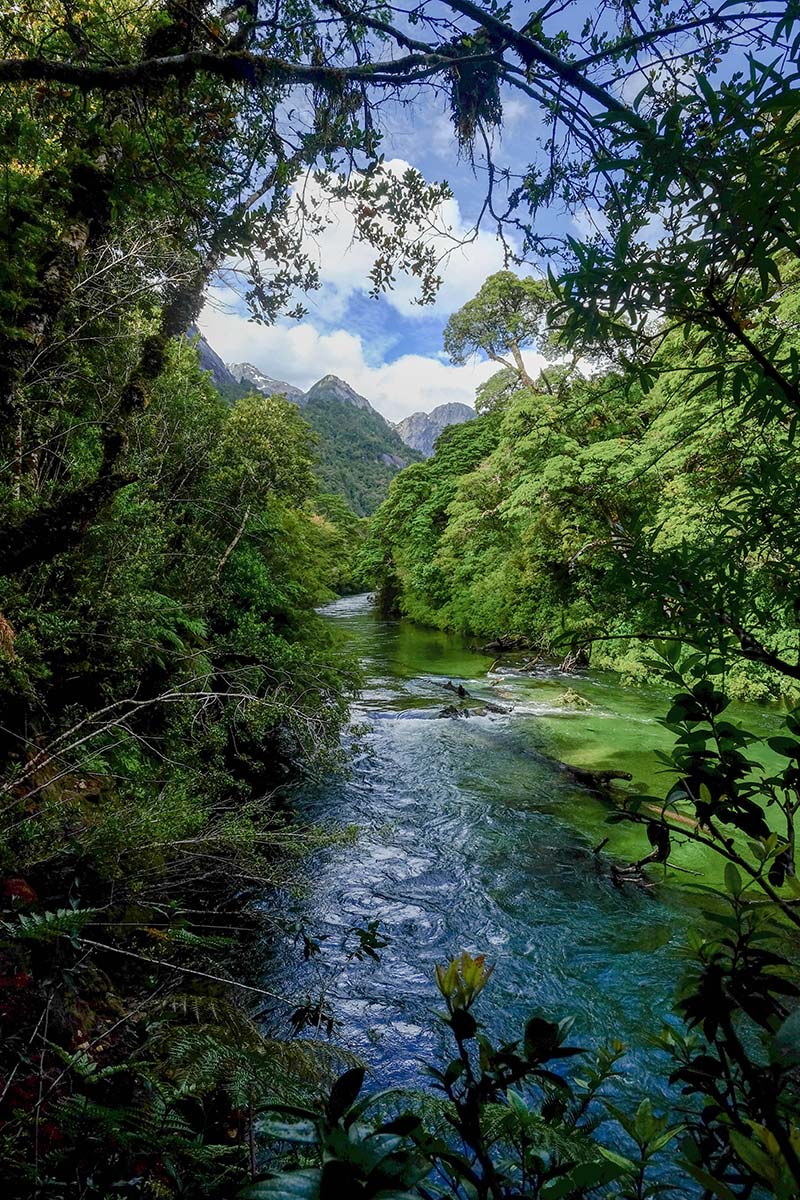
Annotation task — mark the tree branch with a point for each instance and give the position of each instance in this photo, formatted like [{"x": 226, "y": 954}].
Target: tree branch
[
  {"x": 640, "y": 41},
  {"x": 532, "y": 53},
  {"x": 235, "y": 66},
  {"x": 754, "y": 651},
  {"x": 729, "y": 322}
]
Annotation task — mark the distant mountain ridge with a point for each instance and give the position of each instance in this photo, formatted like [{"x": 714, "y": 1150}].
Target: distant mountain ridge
[
  {"x": 330, "y": 387},
  {"x": 248, "y": 374},
  {"x": 359, "y": 451},
  {"x": 224, "y": 380},
  {"x": 421, "y": 429},
  {"x": 418, "y": 432}
]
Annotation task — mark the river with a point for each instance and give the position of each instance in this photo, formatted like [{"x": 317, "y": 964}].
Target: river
[{"x": 466, "y": 837}]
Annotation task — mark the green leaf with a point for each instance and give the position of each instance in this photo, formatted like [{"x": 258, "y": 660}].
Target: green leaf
[
  {"x": 290, "y": 1131},
  {"x": 785, "y": 1049},
  {"x": 626, "y": 1164},
  {"x": 733, "y": 880},
  {"x": 292, "y": 1185},
  {"x": 581, "y": 1178},
  {"x": 665, "y": 1138},
  {"x": 784, "y": 746},
  {"x": 721, "y": 1190},
  {"x": 753, "y": 1156},
  {"x": 345, "y": 1092}
]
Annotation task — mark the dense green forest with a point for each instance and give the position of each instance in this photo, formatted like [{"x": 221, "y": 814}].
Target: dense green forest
[
  {"x": 583, "y": 486},
  {"x": 356, "y": 451},
  {"x": 358, "y": 454},
  {"x": 165, "y": 682}
]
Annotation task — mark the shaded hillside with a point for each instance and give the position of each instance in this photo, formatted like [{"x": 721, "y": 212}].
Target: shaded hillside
[
  {"x": 227, "y": 383},
  {"x": 359, "y": 453}
]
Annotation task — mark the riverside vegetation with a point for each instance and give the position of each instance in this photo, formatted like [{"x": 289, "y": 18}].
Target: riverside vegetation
[{"x": 164, "y": 680}]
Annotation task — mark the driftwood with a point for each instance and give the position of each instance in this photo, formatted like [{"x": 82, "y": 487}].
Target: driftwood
[
  {"x": 451, "y": 687},
  {"x": 503, "y": 645},
  {"x": 595, "y": 781},
  {"x": 576, "y": 660}
]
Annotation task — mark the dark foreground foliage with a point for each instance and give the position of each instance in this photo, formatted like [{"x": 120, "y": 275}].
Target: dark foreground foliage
[
  {"x": 160, "y": 684},
  {"x": 538, "y": 1117}
]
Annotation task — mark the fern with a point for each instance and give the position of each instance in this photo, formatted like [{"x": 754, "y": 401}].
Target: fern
[
  {"x": 223, "y": 1049},
  {"x": 207, "y": 1058},
  {"x": 503, "y": 1122},
  {"x": 47, "y": 926},
  {"x": 150, "y": 1119},
  {"x": 203, "y": 941},
  {"x": 203, "y": 1009},
  {"x": 81, "y": 1063},
  {"x": 434, "y": 1110}
]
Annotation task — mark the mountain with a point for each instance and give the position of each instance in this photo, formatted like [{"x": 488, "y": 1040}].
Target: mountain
[
  {"x": 420, "y": 430},
  {"x": 225, "y": 381},
  {"x": 359, "y": 452},
  {"x": 248, "y": 374},
  {"x": 330, "y": 387}
]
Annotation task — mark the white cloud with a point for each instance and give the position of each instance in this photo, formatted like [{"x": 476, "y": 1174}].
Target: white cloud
[
  {"x": 591, "y": 221},
  {"x": 301, "y": 354},
  {"x": 345, "y": 263}
]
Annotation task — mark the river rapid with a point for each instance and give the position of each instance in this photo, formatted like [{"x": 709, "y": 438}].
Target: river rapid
[{"x": 467, "y": 837}]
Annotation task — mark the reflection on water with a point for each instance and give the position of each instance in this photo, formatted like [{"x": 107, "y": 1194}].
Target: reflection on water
[{"x": 468, "y": 838}]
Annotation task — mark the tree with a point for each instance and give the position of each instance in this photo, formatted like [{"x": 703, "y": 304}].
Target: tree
[
  {"x": 198, "y": 121},
  {"x": 507, "y": 315},
  {"x": 161, "y": 668}
]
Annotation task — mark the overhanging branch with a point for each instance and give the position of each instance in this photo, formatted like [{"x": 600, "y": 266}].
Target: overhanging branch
[{"x": 234, "y": 66}]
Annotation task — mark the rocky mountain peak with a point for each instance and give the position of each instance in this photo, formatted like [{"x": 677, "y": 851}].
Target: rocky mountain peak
[
  {"x": 421, "y": 429},
  {"x": 247, "y": 373},
  {"x": 331, "y": 387}
]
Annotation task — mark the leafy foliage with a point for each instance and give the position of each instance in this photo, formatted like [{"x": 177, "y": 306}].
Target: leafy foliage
[
  {"x": 162, "y": 672},
  {"x": 510, "y": 1124}
]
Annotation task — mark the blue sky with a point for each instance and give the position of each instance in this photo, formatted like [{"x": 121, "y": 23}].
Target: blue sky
[{"x": 389, "y": 349}]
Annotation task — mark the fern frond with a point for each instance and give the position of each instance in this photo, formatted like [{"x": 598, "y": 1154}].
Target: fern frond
[
  {"x": 204, "y": 941},
  {"x": 205, "y": 1058},
  {"x": 46, "y": 926},
  {"x": 501, "y": 1122}
]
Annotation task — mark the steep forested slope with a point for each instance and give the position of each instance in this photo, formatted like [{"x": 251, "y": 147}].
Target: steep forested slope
[
  {"x": 357, "y": 452},
  {"x": 580, "y": 511}
]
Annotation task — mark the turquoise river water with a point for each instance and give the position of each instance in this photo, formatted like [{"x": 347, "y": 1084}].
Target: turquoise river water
[{"x": 466, "y": 836}]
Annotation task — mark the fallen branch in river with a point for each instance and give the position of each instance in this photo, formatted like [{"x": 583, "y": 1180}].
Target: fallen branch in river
[{"x": 595, "y": 781}]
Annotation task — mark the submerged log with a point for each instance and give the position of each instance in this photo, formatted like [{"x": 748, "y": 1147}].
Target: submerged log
[
  {"x": 595, "y": 781},
  {"x": 451, "y": 687}
]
